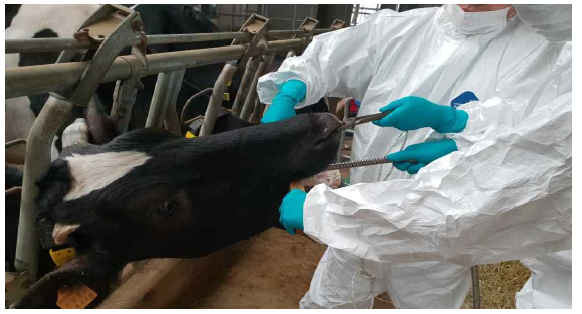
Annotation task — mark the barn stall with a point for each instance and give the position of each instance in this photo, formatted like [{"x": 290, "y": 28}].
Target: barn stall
[{"x": 72, "y": 80}]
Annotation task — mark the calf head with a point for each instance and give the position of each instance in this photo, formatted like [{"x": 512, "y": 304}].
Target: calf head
[{"x": 152, "y": 194}]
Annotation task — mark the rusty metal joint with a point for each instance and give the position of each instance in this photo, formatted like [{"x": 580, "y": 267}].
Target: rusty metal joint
[
  {"x": 256, "y": 26},
  {"x": 113, "y": 27},
  {"x": 136, "y": 67},
  {"x": 140, "y": 50},
  {"x": 337, "y": 24},
  {"x": 309, "y": 26}
]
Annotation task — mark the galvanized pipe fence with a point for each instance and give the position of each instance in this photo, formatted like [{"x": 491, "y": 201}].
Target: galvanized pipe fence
[{"x": 59, "y": 44}]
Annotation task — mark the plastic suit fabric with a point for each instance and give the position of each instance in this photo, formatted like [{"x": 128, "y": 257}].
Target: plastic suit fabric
[{"x": 505, "y": 195}]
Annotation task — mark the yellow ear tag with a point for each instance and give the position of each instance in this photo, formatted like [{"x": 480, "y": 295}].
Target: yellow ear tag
[
  {"x": 76, "y": 297},
  {"x": 226, "y": 97},
  {"x": 190, "y": 135},
  {"x": 62, "y": 256}
]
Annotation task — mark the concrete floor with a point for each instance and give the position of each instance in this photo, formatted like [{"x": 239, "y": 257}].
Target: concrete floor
[{"x": 270, "y": 271}]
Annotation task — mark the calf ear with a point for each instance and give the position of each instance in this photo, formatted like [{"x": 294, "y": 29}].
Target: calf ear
[
  {"x": 102, "y": 128},
  {"x": 95, "y": 272},
  {"x": 228, "y": 122}
]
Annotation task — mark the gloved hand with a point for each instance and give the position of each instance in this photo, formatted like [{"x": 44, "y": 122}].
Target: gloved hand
[
  {"x": 411, "y": 113},
  {"x": 423, "y": 153},
  {"x": 291, "y": 210},
  {"x": 291, "y": 93}
]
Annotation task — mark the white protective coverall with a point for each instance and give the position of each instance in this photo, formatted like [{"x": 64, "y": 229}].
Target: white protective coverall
[{"x": 505, "y": 195}]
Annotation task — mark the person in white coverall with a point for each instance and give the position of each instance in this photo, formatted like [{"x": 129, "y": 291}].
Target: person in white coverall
[{"x": 500, "y": 191}]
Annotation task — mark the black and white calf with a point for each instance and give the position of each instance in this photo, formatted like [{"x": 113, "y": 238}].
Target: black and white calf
[{"x": 152, "y": 194}]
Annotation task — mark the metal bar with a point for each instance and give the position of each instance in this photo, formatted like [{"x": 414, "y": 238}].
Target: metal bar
[
  {"x": 38, "y": 158},
  {"x": 232, "y": 18},
  {"x": 365, "y": 8},
  {"x": 171, "y": 121},
  {"x": 343, "y": 133},
  {"x": 245, "y": 83},
  {"x": 259, "y": 107},
  {"x": 250, "y": 100},
  {"x": 476, "y": 290},
  {"x": 167, "y": 88},
  {"x": 215, "y": 102},
  {"x": 23, "y": 81},
  {"x": 294, "y": 15},
  {"x": 124, "y": 99},
  {"x": 59, "y": 44},
  {"x": 254, "y": 119},
  {"x": 355, "y": 14},
  {"x": 190, "y": 100}
]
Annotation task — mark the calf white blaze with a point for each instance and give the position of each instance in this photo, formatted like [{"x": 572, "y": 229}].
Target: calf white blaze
[{"x": 93, "y": 172}]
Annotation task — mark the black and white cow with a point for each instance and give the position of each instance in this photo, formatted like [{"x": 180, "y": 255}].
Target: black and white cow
[{"x": 152, "y": 194}]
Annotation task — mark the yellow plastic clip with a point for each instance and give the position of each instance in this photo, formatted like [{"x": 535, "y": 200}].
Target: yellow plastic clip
[
  {"x": 62, "y": 256},
  {"x": 190, "y": 135}
]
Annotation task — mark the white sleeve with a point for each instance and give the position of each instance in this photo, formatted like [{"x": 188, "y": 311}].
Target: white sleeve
[
  {"x": 505, "y": 195},
  {"x": 338, "y": 64}
]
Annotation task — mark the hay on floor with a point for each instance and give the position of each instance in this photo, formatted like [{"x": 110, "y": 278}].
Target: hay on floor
[{"x": 498, "y": 284}]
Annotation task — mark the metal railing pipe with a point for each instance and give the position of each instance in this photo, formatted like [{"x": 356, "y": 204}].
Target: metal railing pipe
[
  {"x": 38, "y": 158},
  {"x": 38, "y": 79},
  {"x": 476, "y": 291},
  {"x": 215, "y": 102},
  {"x": 166, "y": 92},
  {"x": 171, "y": 120},
  {"x": 244, "y": 85},
  {"x": 28, "y": 45},
  {"x": 124, "y": 98},
  {"x": 252, "y": 95}
]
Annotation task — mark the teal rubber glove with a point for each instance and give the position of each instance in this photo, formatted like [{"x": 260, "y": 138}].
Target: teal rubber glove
[
  {"x": 423, "y": 153},
  {"x": 411, "y": 113},
  {"x": 291, "y": 210},
  {"x": 291, "y": 93}
]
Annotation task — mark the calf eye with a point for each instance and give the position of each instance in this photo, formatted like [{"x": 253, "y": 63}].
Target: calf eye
[{"x": 167, "y": 209}]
